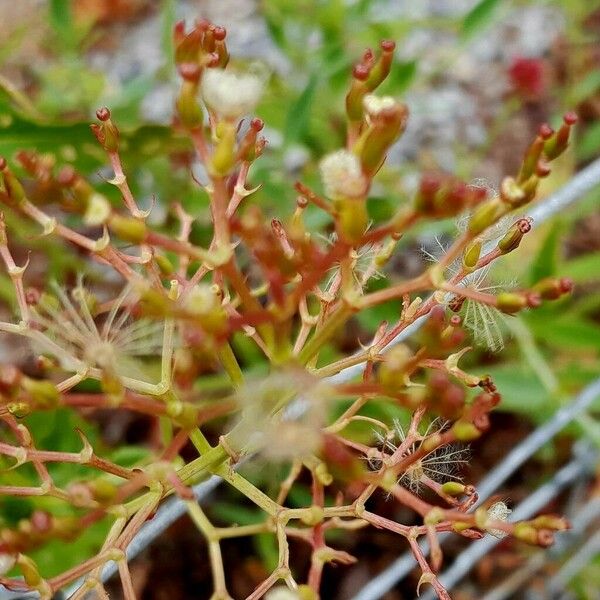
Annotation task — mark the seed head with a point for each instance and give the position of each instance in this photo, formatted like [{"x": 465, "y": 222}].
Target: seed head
[{"x": 441, "y": 465}]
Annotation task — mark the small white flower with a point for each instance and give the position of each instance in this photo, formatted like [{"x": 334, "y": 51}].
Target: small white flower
[
  {"x": 374, "y": 104},
  {"x": 342, "y": 175},
  {"x": 281, "y": 593},
  {"x": 232, "y": 94},
  {"x": 498, "y": 512}
]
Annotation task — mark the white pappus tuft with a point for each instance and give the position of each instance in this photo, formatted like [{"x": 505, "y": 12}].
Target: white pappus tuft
[
  {"x": 232, "y": 94},
  {"x": 78, "y": 340},
  {"x": 440, "y": 465},
  {"x": 342, "y": 175}
]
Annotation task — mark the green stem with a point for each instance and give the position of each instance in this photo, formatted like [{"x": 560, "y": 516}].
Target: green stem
[
  {"x": 230, "y": 364},
  {"x": 322, "y": 336}
]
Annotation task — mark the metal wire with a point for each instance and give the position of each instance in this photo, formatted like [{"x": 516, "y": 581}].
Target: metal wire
[
  {"x": 583, "y": 462},
  {"x": 582, "y": 183},
  {"x": 565, "y": 543},
  {"x": 378, "y": 586}
]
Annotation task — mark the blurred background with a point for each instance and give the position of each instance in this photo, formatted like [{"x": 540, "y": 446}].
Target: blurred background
[{"x": 479, "y": 77}]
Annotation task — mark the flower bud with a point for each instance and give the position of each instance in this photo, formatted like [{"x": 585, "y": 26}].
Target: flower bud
[
  {"x": 533, "y": 153},
  {"x": 485, "y": 216},
  {"x": 453, "y": 488},
  {"x": 526, "y": 533},
  {"x": 382, "y": 67},
  {"x": 128, "y": 229},
  {"x": 471, "y": 255},
  {"x": 395, "y": 367},
  {"x": 352, "y": 219},
  {"x": 247, "y": 149},
  {"x": 203, "y": 304},
  {"x": 434, "y": 516},
  {"x": 314, "y": 516},
  {"x": 29, "y": 570},
  {"x": 106, "y": 132},
  {"x": 18, "y": 409},
  {"x": 558, "y": 143},
  {"x": 514, "y": 235},
  {"x": 188, "y": 108},
  {"x": 219, "y": 34},
  {"x": 223, "y": 158},
  {"x": 188, "y": 48},
  {"x": 10, "y": 185},
  {"x": 442, "y": 195},
  {"x": 552, "y": 522},
  {"x": 465, "y": 431},
  {"x": 510, "y": 303},
  {"x": 552, "y": 288},
  {"x": 384, "y": 129}
]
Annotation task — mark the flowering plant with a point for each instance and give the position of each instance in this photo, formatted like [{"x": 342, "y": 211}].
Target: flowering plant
[{"x": 178, "y": 307}]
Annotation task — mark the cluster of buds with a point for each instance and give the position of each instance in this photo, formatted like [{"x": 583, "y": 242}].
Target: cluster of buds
[{"x": 275, "y": 287}]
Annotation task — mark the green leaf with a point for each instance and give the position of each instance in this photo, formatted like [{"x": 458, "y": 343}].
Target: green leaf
[
  {"x": 585, "y": 88},
  {"x": 521, "y": 391},
  {"x": 582, "y": 269},
  {"x": 400, "y": 78},
  {"x": 479, "y": 17},
  {"x": 61, "y": 19},
  {"x": 567, "y": 333},
  {"x": 298, "y": 116}
]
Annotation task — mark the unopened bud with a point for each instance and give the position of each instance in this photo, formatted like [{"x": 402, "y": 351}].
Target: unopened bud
[
  {"x": 464, "y": 431},
  {"x": 453, "y": 488},
  {"x": 11, "y": 186},
  {"x": 552, "y": 522},
  {"x": 29, "y": 570},
  {"x": 395, "y": 367},
  {"x": 485, "y": 216},
  {"x": 434, "y": 516},
  {"x": 514, "y": 235},
  {"x": 526, "y": 533},
  {"x": 223, "y": 158},
  {"x": 384, "y": 129},
  {"x": 106, "y": 132},
  {"x": 128, "y": 229},
  {"x": 552, "y": 288},
  {"x": 471, "y": 255},
  {"x": 188, "y": 108},
  {"x": 313, "y": 516},
  {"x": 510, "y": 303},
  {"x": 558, "y": 143},
  {"x": 352, "y": 219}
]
